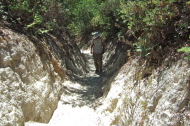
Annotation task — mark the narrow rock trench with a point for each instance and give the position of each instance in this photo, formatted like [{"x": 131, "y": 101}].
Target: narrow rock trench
[
  {"x": 35, "y": 86},
  {"x": 36, "y": 89},
  {"x": 77, "y": 105},
  {"x": 86, "y": 88}
]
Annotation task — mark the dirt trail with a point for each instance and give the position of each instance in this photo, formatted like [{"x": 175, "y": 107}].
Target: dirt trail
[
  {"x": 76, "y": 106},
  {"x": 86, "y": 88}
]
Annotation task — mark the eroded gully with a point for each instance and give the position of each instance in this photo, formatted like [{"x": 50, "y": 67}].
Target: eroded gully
[{"x": 81, "y": 97}]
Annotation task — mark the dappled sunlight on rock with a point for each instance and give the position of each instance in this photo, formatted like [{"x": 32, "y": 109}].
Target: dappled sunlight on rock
[{"x": 45, "y": 86}]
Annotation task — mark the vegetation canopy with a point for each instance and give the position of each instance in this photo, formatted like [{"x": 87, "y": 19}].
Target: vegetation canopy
[{"x": 149, "y": 25}]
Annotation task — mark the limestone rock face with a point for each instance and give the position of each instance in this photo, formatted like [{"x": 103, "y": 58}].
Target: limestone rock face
[
  {"x": 31, "y": 77},
  {"x": 161, "y": 99},
  {"x": 33, "y": 74}
]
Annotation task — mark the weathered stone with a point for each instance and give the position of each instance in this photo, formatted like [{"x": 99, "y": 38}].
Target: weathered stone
[{"x": 31, "y": 78}]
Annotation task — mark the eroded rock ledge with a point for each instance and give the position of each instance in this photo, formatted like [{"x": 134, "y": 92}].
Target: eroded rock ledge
[
  {"x": 161, "y": 99},
  {"x": 32, "y": 73}
]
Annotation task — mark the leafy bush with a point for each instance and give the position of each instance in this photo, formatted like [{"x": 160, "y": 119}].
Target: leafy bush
[
  {"x": 40, "y": 16},
  {"x": 82, "y": 14},
  {"x": 151, "y": 22},
  {"x": 185, "y": 50},
  {"x": 158, "y": 22}
]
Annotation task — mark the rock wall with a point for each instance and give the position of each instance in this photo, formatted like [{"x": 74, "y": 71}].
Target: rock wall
[
  {"x": 116, "y": 56},
  {"x": 161, "y": 99},
  {"x": 32, "y": 73}
]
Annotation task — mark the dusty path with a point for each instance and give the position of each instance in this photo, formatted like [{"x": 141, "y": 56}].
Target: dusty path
[
  {"x": 85, "y": 88},
  {"x": 76, "y": 106}
]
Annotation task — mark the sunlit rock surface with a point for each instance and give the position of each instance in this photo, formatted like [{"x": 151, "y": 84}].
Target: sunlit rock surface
[
  {"x": 29, "y": 88},
  {"x": 163, "y": 99},
  {"x": 43, "y": 83},
  {"x": 31, "y": 77}
]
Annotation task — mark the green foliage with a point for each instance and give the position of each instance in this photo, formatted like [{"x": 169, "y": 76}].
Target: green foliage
[
  {"x": 146, "y": 20},
  {"x": 151, "y": 18},
  {"x": 185, "y": 50},
  {"x": 83, "y": 14},
  {"x": 40, "y": 16},
  {"x": 2, "y": 12},
  {"x": 89, "y": 15},
  {"x": 38, "y": 19}
]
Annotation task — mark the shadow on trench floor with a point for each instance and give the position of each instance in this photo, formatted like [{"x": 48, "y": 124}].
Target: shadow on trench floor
[{"x": 85, "y": 89}]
